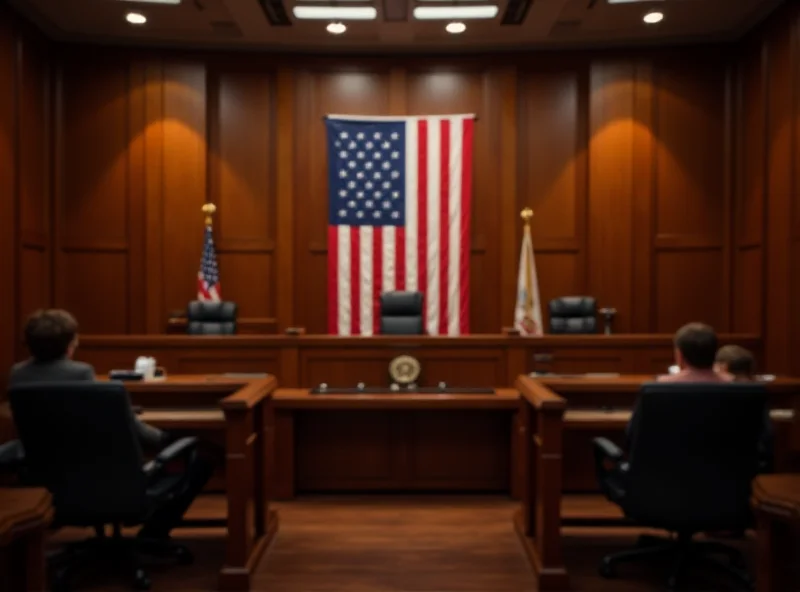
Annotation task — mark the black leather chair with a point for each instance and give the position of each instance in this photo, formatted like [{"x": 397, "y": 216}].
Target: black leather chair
[
  {"x": 80, "y": 444},
  {"x": 402, "y": 313},
  {"x": 211, "y": 318},
  {"x": 693, "y": 453},
  {"x": 573, "y": 315}
]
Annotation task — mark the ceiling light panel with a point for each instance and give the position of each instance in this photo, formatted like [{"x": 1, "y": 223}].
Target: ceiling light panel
[
  {"x": 430, "y": 13},
  {"x": 170, "y": 2},
  {"x": 335, "y": 13},
  {"x": 631, "y": 1}
]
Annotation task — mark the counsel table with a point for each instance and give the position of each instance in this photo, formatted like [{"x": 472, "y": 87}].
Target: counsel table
[
  {"x": 239, "y": 406},
  {"x": 374, "y": 442},
  {"x": 549, "y": 426}
]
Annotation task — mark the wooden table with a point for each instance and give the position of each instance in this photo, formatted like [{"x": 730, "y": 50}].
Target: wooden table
[
  {"x": 776, "y": 500},
  {"x": 394, "y": 442},
  {"x": 25, "y": 514},
  {"x": 597, "y": 406},
  {"x": 555, "y": 453},
  {"x": 239, "y": 407}
]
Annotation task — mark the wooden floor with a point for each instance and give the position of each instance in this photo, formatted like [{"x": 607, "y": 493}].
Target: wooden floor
[{"x": 402, "y": 544}]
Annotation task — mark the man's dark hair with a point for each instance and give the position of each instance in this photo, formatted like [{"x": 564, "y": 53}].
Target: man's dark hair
[
  {"x": 698, "y": 345},
  {"x": 738, "y": 361},
  {"x": 48, "y": 334}
]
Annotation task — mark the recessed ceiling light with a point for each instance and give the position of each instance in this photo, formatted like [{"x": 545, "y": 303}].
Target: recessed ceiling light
[
  {"x": 455, "y": 28},
  {"x": 630, "y": 1},
  {"x": 455, "y": 12},
  {"x": 336, "y": 13},
  {"x": 136, "y": 18},
  {"x": 336, "y": 28},
  {"x": 654, "y": 17}
]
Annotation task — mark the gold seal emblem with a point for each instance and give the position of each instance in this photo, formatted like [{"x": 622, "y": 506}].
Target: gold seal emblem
[{"x": 404, "y": 370}]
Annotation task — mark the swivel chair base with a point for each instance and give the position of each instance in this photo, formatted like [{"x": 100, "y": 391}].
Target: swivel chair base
[
  {"x": 118, "y": 550},
  {"x": 685, "y": 551}
]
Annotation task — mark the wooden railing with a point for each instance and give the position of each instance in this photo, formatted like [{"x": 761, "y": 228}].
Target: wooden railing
[
  {"x": 538, "y": 523},
  {"x": 251, "y": 524}
]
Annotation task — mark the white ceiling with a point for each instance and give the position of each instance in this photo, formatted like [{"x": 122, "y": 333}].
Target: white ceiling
[{"x": 549, "y": 23}]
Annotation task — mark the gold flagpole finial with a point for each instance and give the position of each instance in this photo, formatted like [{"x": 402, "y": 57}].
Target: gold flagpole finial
[
  {"x": 208, "y": 210},
  {"x": 526, "y": 215}
]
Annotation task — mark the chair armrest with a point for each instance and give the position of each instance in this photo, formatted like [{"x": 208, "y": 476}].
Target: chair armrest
[
  {"x": 606, "y": 449},
  {"x": 12, "y": 456},
  {"x": 175, "y": 451}
]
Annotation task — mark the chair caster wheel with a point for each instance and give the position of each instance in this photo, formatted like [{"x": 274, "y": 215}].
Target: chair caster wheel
[
  {"x": 60, "y": 581},
  {"x": 183, "y": 556},
  {"x": 141, "y": 581},
  {"x": 607, "y": 569}
]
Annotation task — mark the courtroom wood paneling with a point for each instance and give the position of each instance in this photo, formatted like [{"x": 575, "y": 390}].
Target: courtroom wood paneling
[
  {"x": 8, "y": 201},
  {"x": 25, "y": 147},
  {"x": 622, "y": 157},
  {"x": 767, "y": 237},
  {"x": 402, "y": 450}
]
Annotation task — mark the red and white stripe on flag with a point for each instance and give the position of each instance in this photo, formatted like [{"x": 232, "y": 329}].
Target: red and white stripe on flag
[{"x": 429, "y": 253}]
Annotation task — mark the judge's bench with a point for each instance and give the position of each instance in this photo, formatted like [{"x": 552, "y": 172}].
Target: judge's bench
[{"x": 463, "y": 438}]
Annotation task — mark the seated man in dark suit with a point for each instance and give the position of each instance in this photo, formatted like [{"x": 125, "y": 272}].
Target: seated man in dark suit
[{"x": 52, "y": 337}]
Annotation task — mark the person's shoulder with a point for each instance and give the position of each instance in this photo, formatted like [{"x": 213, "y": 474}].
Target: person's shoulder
[
  {"x": 20, "y": 366},
  {"x": 17, "y": 370},
  {"x": 78, "y": 367}
]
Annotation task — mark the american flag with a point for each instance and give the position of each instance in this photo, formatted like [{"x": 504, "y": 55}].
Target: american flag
[
  {"x": 399, "y": 218},
  {"x": 208, "y": 287}
]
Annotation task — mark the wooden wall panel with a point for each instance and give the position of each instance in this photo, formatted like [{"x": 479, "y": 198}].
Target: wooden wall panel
[
  {"x": 34, "y": 149},
  {"x": 766, "y": 263},
  {"x": 93, "y": 208},
  {"x": 622, "y": 159},
  {"x": 8, "y": 198},
  {"x": 648, "y": 179},
  {"x": 552, "y": 176},
  {"x": 25, "y": 147}
]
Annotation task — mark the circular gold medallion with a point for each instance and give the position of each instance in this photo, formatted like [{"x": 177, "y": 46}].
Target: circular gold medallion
[{"x": 404, "y": 370}]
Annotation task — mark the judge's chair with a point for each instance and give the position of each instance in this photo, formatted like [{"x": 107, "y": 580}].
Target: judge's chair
[
  {"x": 574, "y": 315},
  {"x": 693, "y": 453},
  {"x": 211, "y": 318},
  {"x": 79, "y": 442},
  {"x": 402, "y": 313}
]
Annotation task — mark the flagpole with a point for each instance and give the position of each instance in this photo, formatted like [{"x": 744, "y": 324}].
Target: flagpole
[
  {"x": 527, "y": 216},
  {"x": 209, "y": 209}
]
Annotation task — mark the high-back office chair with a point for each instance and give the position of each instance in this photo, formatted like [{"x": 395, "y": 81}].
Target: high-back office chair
[
  {"x": 573, "y": 315},
  {"x": 692, "y": 457},
  {"x": 402, "y": 313},
  {"x": 80, "y": 444},
  {"x": 211, "y": 318}
]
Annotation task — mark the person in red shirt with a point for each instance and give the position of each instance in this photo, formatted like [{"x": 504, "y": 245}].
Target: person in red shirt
[{"x": 695, "y": 354}]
